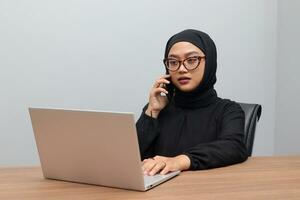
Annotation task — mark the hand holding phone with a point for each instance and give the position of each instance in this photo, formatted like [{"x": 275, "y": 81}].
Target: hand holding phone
[{"x": 157, "y": 101}]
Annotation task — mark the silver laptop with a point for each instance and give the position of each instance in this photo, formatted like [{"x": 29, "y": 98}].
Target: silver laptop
[{"x": 91, "y": 147}]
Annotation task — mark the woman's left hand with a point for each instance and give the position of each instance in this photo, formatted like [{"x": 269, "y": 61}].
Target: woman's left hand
[{"x": 162, "y": 164}]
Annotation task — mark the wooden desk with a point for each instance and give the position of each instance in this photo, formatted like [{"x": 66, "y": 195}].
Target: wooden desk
[{"x": 257, "y": 178}]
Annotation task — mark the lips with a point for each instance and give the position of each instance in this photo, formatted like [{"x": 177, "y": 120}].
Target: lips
[{"x": 183, "y": 80}]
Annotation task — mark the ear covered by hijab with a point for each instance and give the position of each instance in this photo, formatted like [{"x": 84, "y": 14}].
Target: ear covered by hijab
[{"x": 204, "y": 94}]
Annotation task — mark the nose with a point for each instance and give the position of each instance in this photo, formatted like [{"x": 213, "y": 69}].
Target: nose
[{"x": 182, "y": 68}]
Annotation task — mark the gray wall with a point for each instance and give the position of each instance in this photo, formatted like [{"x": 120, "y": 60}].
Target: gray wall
[
  {"x": 287, "y": 135},
  {"x": 106, "y": 54}
]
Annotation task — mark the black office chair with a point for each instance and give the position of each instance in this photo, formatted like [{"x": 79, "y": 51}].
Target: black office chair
[{"x": 252, "y": 115}]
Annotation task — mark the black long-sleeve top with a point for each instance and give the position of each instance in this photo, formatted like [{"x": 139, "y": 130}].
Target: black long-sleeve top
[{"x": 210, "y": 136}]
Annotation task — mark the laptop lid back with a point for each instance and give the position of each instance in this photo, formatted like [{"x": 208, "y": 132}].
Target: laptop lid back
[{"x": 88, "y": 146}]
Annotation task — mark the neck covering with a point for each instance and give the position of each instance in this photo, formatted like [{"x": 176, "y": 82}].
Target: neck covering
[{"x": 205, "y": 93}]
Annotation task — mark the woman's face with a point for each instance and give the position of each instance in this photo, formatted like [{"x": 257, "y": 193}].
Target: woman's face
[{"x": 186, "y": 80}]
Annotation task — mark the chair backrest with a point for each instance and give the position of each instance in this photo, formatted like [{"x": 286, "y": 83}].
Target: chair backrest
[{"x": 252, "y": 115}]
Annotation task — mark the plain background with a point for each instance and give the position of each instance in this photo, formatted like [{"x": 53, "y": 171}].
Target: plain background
[
  {"x": 287, "y": 134},
  {"x": 105, "y": 55}
]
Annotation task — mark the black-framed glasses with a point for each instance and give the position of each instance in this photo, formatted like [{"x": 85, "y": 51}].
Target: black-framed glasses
[{"x": 189, "y": 63}]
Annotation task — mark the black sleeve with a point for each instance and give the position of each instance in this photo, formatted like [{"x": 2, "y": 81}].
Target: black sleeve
[
  {"x": 147, "y": 131},
  {"x": 228, "y": 149}
]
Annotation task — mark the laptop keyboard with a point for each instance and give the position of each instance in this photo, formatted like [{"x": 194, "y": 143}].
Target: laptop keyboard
[{"x": 153, "y": 179}]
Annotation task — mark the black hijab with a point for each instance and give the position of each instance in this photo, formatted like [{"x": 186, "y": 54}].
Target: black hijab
[{"x": 204, "y": 94}]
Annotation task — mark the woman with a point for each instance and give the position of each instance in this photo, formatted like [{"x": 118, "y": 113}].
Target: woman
[{"x": 185, "y": 125}]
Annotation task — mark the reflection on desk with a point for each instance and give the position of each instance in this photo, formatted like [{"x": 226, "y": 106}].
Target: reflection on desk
[{"x": 257, "y": 178}]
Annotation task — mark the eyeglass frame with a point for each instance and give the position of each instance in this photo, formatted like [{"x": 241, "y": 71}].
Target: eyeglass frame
[{"x": 181, "y": 62}]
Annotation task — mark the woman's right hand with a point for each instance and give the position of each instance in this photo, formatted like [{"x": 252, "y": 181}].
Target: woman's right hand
[{"x": 156, "y": 101}]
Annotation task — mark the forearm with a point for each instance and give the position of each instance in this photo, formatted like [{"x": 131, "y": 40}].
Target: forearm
[
  {"x": 216, "y": 154},
  {"x": 146, "y": 132}
]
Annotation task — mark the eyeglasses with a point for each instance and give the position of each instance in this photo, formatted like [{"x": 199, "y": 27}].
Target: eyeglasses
[{"x": 189, "y": 63}]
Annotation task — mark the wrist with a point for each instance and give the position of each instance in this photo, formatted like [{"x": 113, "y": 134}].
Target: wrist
[
  {"x": 152, "y": 113},
  {"x": 184, "y": 162}
]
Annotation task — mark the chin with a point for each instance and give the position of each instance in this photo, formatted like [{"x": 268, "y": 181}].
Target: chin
[{"x": 185, "y": 88}]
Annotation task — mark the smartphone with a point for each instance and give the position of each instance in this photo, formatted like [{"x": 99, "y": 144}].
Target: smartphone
[{"x": 170, "y": 88}]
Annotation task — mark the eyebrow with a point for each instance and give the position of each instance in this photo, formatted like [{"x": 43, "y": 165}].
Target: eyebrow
[{"x": 186, "y": 54}]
